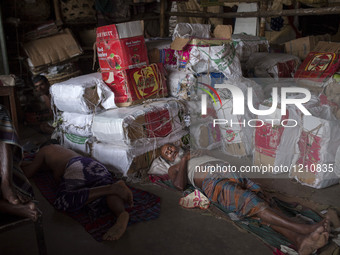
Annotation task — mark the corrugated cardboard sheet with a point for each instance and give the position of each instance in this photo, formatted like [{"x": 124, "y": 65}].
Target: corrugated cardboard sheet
[{"x": 53, "y": 49}]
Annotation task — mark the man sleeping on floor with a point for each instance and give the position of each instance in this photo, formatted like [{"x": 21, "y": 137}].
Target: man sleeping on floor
[
  {"x": 238, "y": 194},
  {"x": 83, "y": 182}
]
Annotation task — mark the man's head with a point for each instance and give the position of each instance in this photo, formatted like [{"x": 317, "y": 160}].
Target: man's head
[
  {"x": 169, "y": 152},
  {"x": 41, "y": 85}
]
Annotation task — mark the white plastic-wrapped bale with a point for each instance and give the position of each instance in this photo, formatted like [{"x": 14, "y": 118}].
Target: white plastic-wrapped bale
[
  {"x": 314, "y": 164},
  {"x": 220, "y": 59},
  {"x": 237, "y": 135},
  {"x": 188, "y": 30},
  {"x": 130, "y": 160},
  {"x": 246, "y": 45},
  {"x": 76, "y": 123},
  {"x": 139, "y": 124},
  {"x": 180, "y": 82},
  {"x": 83, "y": 94},
  {"x": 272, "y": 65},
  {"x": 205, "y": 136},
  {"x": 275, "y": 143},
  {"x": 80, "y": 144}
]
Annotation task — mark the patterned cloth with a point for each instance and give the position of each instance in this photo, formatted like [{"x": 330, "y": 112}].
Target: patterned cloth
[
  {"x": 146, "y": 206},
  {"x": 9, "y": 135},
  {"x": 82, "y": 174},
  {"x": 234, "y": 193}
]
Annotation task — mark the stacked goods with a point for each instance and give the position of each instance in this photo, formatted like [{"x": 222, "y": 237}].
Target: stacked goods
[
  {"x": 76, "y": 100},
  {"x": 314, "y": 164},
  {"x": 320, "y": 65},
  {"x": 139, "y": 125},
  {"x": 62, "y": 72},
  {"x": 131, "y": 160},
  {"x": 302, "y": 46},
  {"x": 76, "y": 123},
  {"x": 123, "y": 61},
  {"x": 272, "y": 65},
  {"x": 332, "y": 94},
  {"x": 84, "y": 94},
  {"x": 246, "y": 45},
  {"x": 275, "y": 143},
  {"x": 207, "y": 55},
  {"x": 51, "y": 50},
  {"x": 133, "y": 86},
  {"x": 121, "y": 46},
  {"x": 237, "y": 135},
  {"x": 203, "y": 134},
  {"x": 180, "y": 83}
]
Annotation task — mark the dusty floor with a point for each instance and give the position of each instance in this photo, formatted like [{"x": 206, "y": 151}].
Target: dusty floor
[{"x": 176, "y": 231}]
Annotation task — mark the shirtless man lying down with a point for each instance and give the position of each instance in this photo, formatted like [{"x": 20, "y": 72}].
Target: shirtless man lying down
[
  {"x": 83, "y": 182},
  {"x": 240, "y": 195}
]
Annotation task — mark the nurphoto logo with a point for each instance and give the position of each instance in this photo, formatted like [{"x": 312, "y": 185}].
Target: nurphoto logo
[{"x": 238, "y": 103}]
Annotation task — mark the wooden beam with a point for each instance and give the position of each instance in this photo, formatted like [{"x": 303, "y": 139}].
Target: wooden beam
[
  {"x": 162, "y": 19},
  {"x": 294, "y": 12}
]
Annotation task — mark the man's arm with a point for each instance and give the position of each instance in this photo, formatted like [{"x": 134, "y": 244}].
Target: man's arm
[{"x": 179, "y": 173}]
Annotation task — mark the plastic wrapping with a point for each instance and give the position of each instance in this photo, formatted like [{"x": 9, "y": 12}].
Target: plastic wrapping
[
  {"x": 246, "y": 45},
  {"x": 139, "y": 124},
  {"x": 187, "y": 30},
  {"x": 84, "y": 94},
  {"x": 274, "y": 143},
  {"x": 317, "y": 146},
  {"x": 180, "y": 83},
  {"x": 220, "y": 59},
  {"x": 237, "y": 138},
  {"x": 128, "y": 160},
  {"x": 77, "y": 124},
  {"x": 80, "y": 144},
  {"x": 133, "y": 86},
  {"x": 205, "y": 136},
  {"x": 272, "y": 65}
]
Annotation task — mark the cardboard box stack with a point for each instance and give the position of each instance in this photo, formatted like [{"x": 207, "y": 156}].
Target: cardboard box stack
[
  {"x": 320, "y": 65},
  {"x": 275, "y": 144},
  {"x": 126, "y": 139},
  {"x": 123, "y": 61},
  {"x": 52, "y": 54},
  {"x": 314, "y": 162},
  {"x": 76, "y": 101}
]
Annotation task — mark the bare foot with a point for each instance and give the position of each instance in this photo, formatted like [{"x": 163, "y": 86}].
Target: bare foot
[
  {"x": 307, "y": 229},
  {"x": 128, "y": 197},
  {"x": 332, "y": 215},
  {"x": 27, "y": 210},
  {"x": 8, "y": 193},
  {"x": 313, "y": 241},
  {"x": 118, "y": 229}
]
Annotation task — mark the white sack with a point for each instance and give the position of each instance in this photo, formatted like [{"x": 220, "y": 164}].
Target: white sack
[
  {"x": 126, "y": 126},
  {"x": 83, "y": 94}
]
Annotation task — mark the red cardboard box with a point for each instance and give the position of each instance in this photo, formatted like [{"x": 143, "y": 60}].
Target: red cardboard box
[
  {"x": 132, "y": 86},
  {"x": 121, "y": 46},
  {"x": 320, "y": 64}
]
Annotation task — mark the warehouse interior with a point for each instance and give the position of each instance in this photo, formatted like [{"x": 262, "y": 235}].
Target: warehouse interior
[{"x": 254, "y": 84}]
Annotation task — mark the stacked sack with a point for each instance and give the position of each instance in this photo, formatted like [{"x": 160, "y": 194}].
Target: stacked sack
[
  {"x": 197, "y": 63},
  {"x": 77, "y": 100},
  {"x": 314, "y": 163},
  {"x": 130, "y": 137}
]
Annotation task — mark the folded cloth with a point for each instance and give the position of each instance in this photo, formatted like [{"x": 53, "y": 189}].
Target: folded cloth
[{"x": 195, "y": 199}]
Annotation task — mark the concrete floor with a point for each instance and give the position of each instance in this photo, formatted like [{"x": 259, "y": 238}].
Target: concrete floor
[{"x": 176, "y": 231}]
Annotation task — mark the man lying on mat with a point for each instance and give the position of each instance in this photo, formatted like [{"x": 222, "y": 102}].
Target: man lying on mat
[
  {"x": 83, "y": 182},
  {"x": 16, "y": 193},
  {"x": 240, "y": 195}
]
